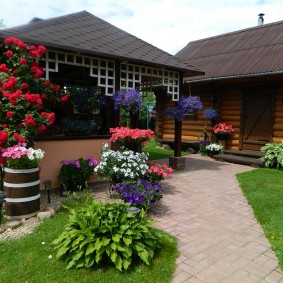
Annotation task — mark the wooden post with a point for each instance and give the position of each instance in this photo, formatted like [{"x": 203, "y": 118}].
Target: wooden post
[
  {"x": 178, "y": 138},
  {"x": 177, "y": 162}
]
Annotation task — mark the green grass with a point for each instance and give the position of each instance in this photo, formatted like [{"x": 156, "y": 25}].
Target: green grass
[
  {"x": 26, "y": 260},
  {"x": 263, "y": 189},
  {"x": 159, "y": 153}
]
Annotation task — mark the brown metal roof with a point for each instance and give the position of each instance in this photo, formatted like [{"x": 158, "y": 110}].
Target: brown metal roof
[
  {"x": 86, "y": 33},
  {"x": 248, "y": 52}
]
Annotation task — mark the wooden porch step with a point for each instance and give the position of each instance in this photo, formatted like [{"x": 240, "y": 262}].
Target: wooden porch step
[
  {"x": 254, "y": 154},
  {"x": 238, "y": 159}
]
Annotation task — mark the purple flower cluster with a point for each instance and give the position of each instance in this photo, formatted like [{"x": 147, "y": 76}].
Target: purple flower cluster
[
  {"x": 128, "y": 99},
  {"x": 140, "y": 194},
  {"x": 210, "y": 113},
  {"x": 186, "y": 105}
]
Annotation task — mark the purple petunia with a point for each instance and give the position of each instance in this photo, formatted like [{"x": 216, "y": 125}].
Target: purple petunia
[
  {"x": 128, "y": 99},
  {"x": 186, "y": 105}
]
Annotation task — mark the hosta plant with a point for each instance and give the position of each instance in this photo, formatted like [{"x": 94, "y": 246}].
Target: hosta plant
[
  {"x": 273, "y": 155},
  {"x": 106, "y": 233}
]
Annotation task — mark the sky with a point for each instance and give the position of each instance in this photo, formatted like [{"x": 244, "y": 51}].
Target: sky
[{"x": 167, "y": 24}]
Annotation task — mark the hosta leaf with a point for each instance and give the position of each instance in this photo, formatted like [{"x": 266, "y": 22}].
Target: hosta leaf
[
  {"x": 144, "y": 256},
  {"x": 105, "y": 241},
  {"x": 119, "y": 263},
  {"x": 116, "y": 238},
  {"x": 138, "y": 247},
  {"x": 127, "y": 252},
  {"x": 113, "y": 256},
  {"x": 127, "y": 262},
  {"x": 127, "y": 240},
  {"x": 114, "y": 246},
  {"x": 90, "y": 249},
  {"x": 61, "y": 252},
  {"x": 98, "y": 256}
]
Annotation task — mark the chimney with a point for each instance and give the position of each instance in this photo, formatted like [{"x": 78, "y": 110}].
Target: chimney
[{"x": 260, "y": 19}]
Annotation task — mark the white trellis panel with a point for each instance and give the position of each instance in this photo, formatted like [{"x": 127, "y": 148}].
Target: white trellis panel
[
  {"x": 102, "y": 69},
  {"x": 131, "y": 77}
]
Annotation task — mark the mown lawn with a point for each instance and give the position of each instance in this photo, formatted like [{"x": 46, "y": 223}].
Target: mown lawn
[
  {"x": 32, "y": 259},
  {"x": 156, "y": 153},
  {"x": 263, "y": 189}
]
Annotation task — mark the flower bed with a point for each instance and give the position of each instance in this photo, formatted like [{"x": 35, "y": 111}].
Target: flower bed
[{"x": 141, "y": 194}]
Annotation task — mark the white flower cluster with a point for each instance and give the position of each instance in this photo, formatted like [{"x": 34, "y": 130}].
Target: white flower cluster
[
  {"x": 214, "y": 147},
  {"x": 35, "y": 154},
  {"x": 124, "y": 165}
]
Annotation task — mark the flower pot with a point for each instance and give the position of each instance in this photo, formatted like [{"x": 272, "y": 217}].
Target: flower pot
[
  {"x": 222, "y": 136},
  {"x": 23, "y": 195},
  {"x": 212, "y": 152}
]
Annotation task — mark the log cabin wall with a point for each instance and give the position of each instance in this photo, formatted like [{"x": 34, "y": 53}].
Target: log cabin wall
[
  {"x": 278, "y": 116},
  {"x": 230, "y": 113},
  {"x": 228, "y": 100}
]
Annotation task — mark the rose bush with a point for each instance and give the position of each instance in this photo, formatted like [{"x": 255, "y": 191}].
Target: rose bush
[{"x": 25, "y": 97}]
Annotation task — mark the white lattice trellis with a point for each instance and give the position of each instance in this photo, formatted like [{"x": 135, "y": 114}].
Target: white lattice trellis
[
  {"x": 131, "y": 77},
  {"x": 102, "y": 69}
]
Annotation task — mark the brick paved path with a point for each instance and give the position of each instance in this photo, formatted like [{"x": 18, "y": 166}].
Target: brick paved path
[{"x": 219, "y": 237}]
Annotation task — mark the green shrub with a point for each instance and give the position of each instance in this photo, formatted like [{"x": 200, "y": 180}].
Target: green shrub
[
  {"x": 106, "y": 233},
  {"x": 273, "y": 155}
]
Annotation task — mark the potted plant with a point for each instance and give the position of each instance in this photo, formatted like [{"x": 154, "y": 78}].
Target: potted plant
[
  {"x": 213, "y": 149},
  {"x": 132, "y": 139},
  {"x": 202, "y": 147},
  {"x": 21, "y": 181},
  {"x": 77, "y": 127},
  {"x": 75, "y": 173},
  {"x": 121, "y": 166},
  {"x": 211, "y": 113},
  {"x": 130, "y": 101},
  {"x": 85, "y": 99},
  {"x": 222, "y": 131}
]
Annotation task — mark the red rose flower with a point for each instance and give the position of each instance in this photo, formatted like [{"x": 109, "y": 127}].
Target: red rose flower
[
  {"x": 65, "y": 98},
  {"x": 42, "y": 128},
  {"x": 9, "y": 53},
  {"x": 47, "y": 83},
  {"x": 24, "y": 85},
  {"x": 23, "y": 61},
  {"x": 29, "y": 121},
  {"x": 10, "y": 114}
]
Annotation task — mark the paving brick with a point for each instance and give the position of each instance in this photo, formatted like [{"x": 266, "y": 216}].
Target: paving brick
[{"x": 219, "y": 239}]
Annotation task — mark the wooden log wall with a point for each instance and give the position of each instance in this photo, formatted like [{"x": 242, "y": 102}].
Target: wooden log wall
[
  {"x": 228, "y": 102},
  {"x": 230, "y": 113},
  {"x": 278, "y": 116}
]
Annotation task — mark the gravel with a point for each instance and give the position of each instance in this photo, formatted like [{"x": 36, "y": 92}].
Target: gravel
[{"x": 27, "y": 226}]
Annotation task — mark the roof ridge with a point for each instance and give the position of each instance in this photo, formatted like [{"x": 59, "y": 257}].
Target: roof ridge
[
  {"x": 237, "y": 31},
  {"x": 44, "y": 21},
  {"x": 235, "y": 51}
]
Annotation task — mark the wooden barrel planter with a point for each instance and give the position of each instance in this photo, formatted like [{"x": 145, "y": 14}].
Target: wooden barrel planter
[{"x": 23, "y": 196}]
